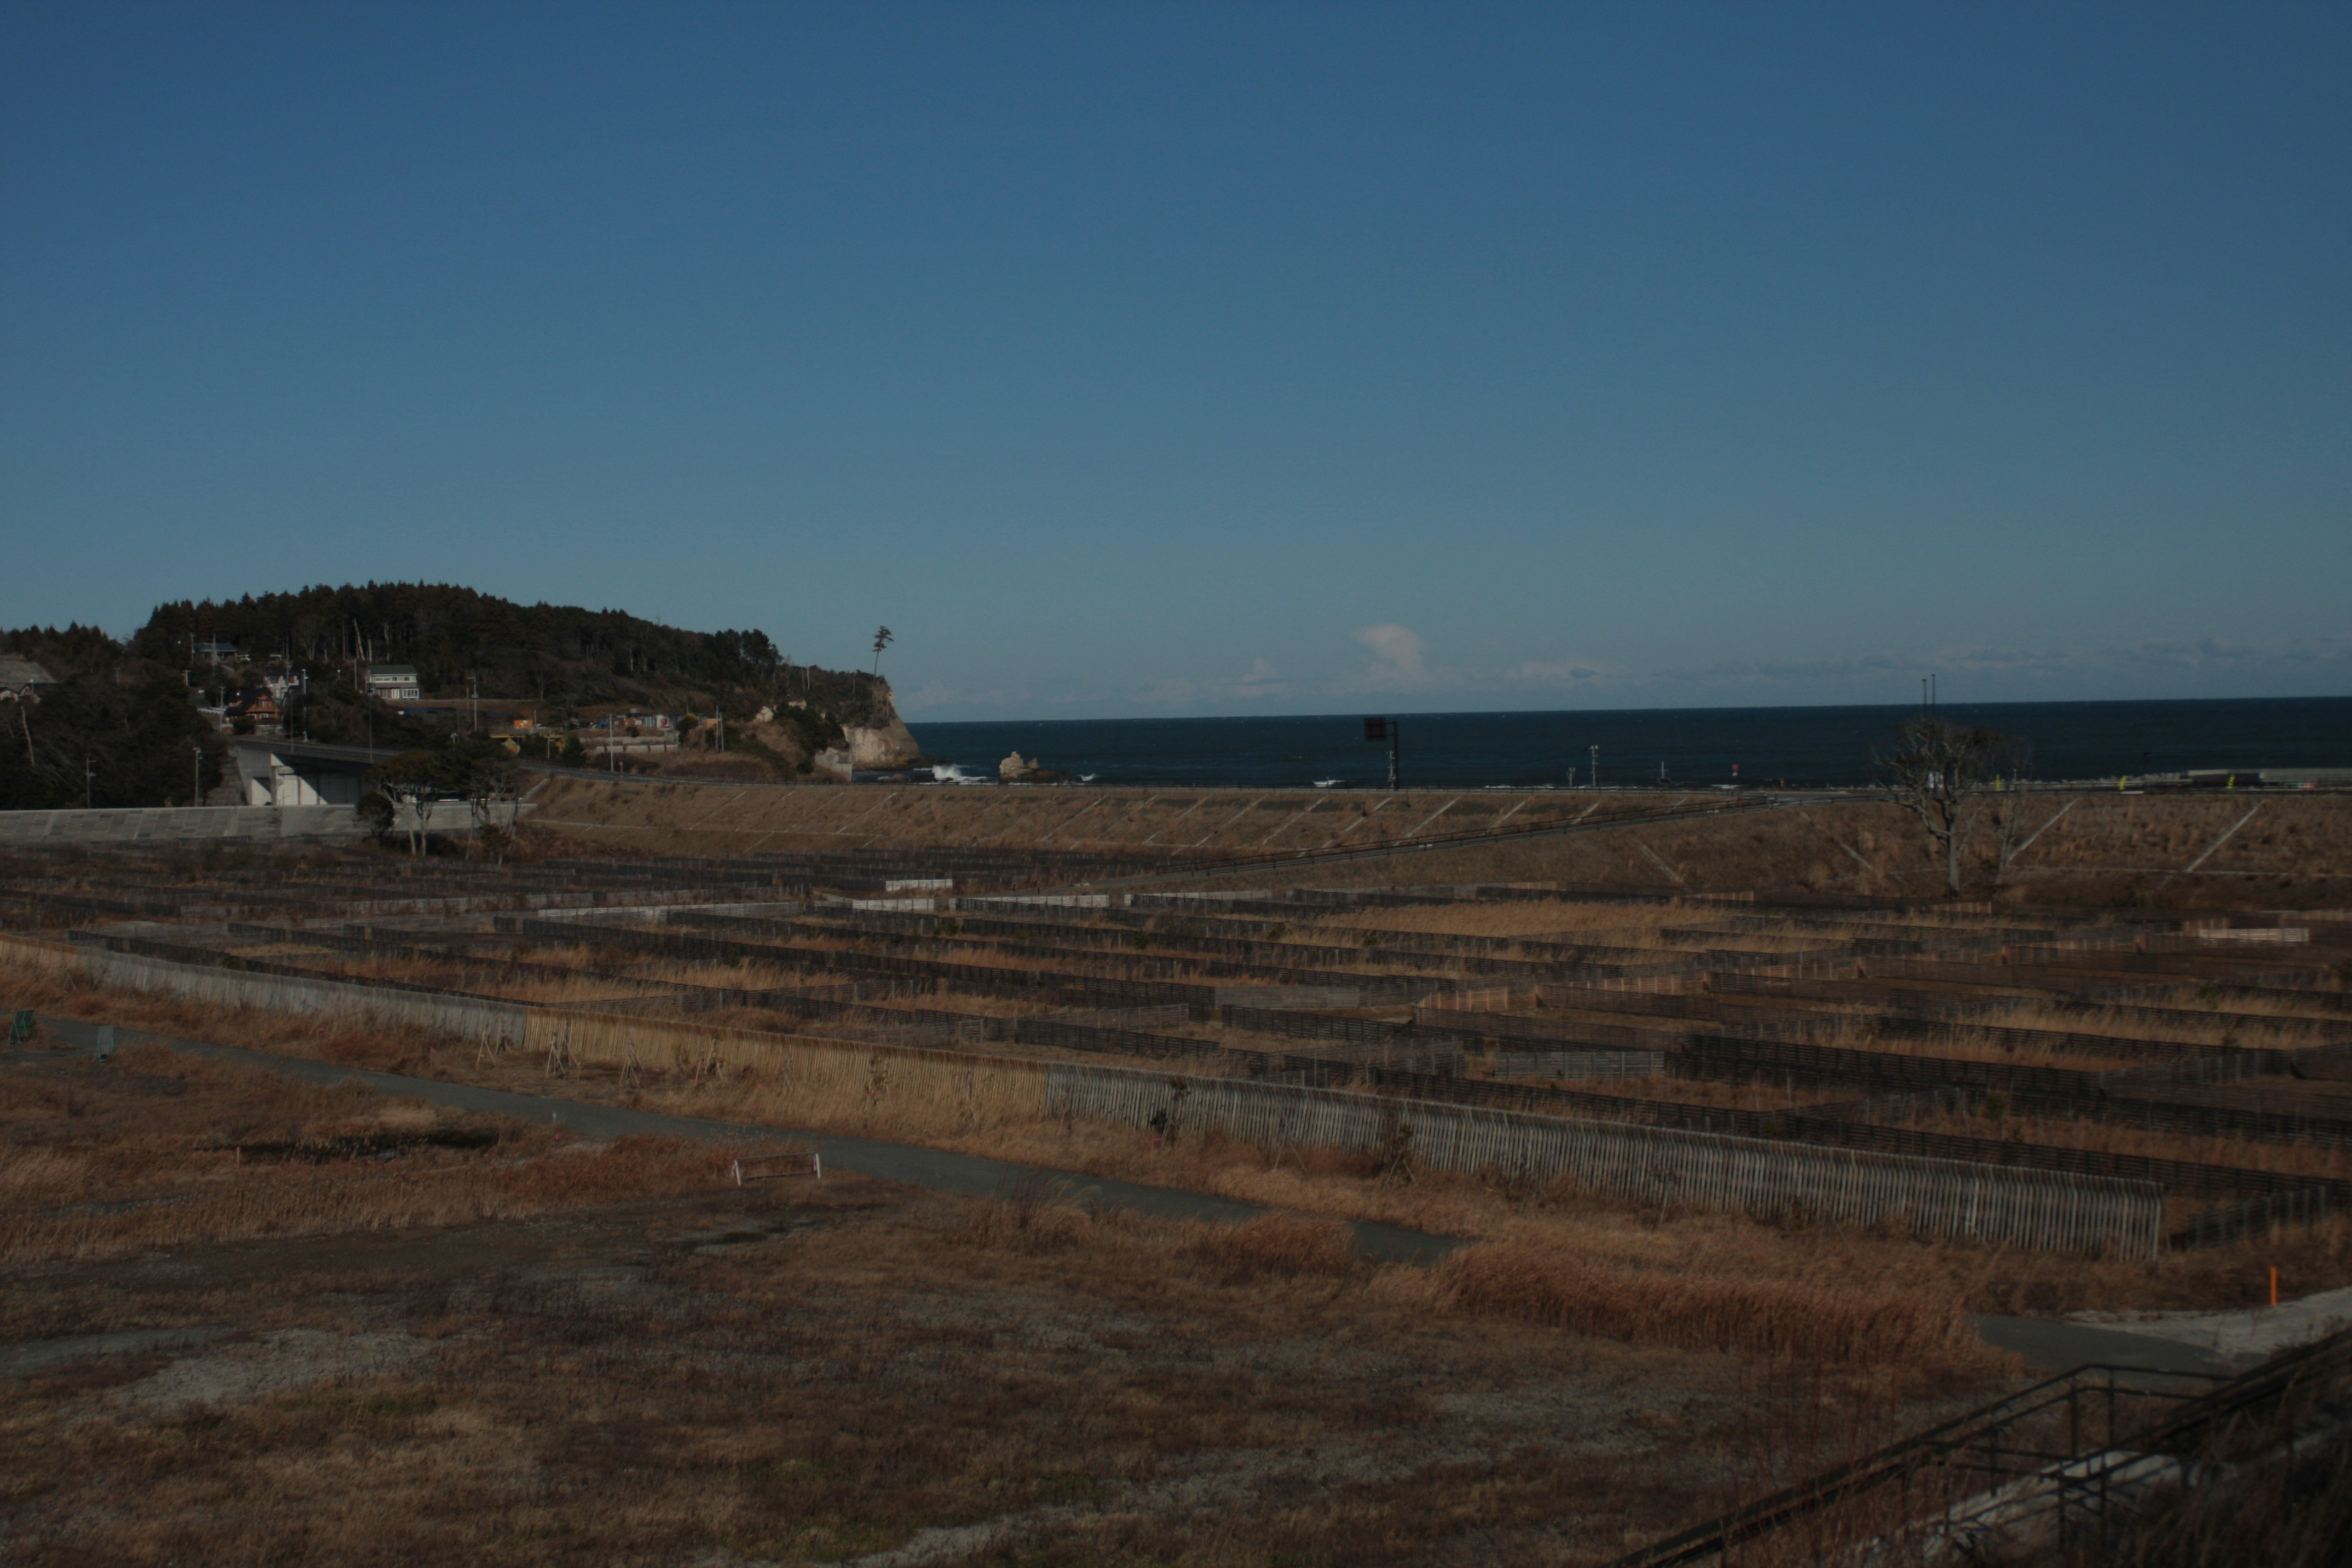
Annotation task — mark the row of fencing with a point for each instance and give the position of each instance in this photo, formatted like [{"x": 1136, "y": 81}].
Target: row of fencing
[
  {"x": 1644, "y": 1164},
  {"x": 1425, "y": 1061},
  {"x": 1203, "y": 940},
  {"x": 2261, "y": 987},
  {"x": 2216, "y": 1063},
  {"x": 2255, "y": 1217},
  {"x": 2030, "y": 1208},
  {"x": 1131, "y": 950},
  {"x": 1412, "y": 1059},
  {"x": 2212, "y": 1063},
  {"x": 1399, "y": 1058},
  {"x": 2041, "y": 1091},
  {"x": 1555, "y": 1065},
  {"x": 1709, "y": 1057},
  {"x": 1947, "y": 1005}
]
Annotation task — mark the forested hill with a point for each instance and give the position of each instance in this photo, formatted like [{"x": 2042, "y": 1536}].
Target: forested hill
[
  {"x": 557, "y": 654},
  {"x": 122, "y": 725}
]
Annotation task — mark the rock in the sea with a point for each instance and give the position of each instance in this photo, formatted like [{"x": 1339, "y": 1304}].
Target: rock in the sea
[{"x": 1018, "y": 769}]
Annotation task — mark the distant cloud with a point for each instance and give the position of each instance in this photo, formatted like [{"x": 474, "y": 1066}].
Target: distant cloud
[
  {"x": 1396, "y": 658},
  {"x": 1537, "y": 672},
  {"x": 930, "y": 694},
  {"x": 1401, "y": 662},
  {"x": 1261, "y": 681},
  {"x": 2017, "y": 673}
]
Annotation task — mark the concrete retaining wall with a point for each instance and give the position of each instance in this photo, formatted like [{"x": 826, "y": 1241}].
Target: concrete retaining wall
[{"x": 194, "y": 824}]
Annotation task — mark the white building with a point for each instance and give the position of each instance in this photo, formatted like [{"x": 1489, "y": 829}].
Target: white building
[{"x": 393, "y": 682}]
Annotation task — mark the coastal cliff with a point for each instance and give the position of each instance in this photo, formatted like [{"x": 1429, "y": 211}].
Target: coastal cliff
[{"x": 884, "y": 740}]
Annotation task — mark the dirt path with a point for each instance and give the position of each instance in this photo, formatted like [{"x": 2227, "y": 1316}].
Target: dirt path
[
  {"x": 936, "y": 1170},
  {"x": 2051, "y": 1345}
]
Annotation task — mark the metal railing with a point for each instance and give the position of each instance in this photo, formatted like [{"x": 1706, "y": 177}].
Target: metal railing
[{"x": 2071, "y": 1454}]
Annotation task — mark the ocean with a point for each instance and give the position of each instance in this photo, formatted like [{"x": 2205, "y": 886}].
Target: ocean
[{"x": 1682, "y": 746}]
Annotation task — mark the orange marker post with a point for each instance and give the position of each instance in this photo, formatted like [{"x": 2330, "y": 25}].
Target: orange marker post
[{"x": 2273, "y": 1284}]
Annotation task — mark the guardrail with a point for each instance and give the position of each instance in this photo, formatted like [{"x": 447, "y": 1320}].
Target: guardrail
[{"x": 2060, "y": 1461}]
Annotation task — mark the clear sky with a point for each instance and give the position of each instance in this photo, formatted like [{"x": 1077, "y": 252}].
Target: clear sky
[{"x": 1202, "y": 359}]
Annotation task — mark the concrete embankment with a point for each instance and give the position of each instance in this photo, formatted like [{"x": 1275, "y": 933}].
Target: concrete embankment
[{"x": 210, "y": 823}]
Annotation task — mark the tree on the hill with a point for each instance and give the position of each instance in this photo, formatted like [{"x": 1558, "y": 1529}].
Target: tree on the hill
[
  {"x": 882, "y": 639},
  {"x": 130, "y": 722},
  {"x": 1941, "y": 773},
  {"x": 469, "y": 768}
]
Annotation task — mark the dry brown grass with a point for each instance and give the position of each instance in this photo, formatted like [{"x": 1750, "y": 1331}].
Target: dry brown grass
[
  {"x": 1122, "y": 1397},
  {"x": 1546, "y": 919},
  {"x": 1709, "y": 1311},
  {"x": 96, "y": 1160},
  {"x": 2288, "y": 1023},
  {"x": 2295, "y": 1159},
  {"x": 949, "y": 1103}
]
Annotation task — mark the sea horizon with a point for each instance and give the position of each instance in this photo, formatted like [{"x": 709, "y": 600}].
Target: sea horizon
[{"x": 1826, "y": 744}]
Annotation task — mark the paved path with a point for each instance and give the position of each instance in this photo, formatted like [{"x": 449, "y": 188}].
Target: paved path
[
  {"x": 2052, "y": 1346},
  {"x": 936, "y": 1170},
  {"x": 2060, "y": 1347}
]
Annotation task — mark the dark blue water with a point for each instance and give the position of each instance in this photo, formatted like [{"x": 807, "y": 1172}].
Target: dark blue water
[{"x": 1695, "y": 746}]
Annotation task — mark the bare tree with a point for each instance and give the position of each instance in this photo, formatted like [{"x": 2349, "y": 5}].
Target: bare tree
[
  {"x": 24, "y": 701},
  {"x": 2012, "y": 838},
  {"x": 1941, "y": 773}
]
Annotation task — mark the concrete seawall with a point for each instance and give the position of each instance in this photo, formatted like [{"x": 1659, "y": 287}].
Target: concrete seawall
[{"x": 198, "y": 823}]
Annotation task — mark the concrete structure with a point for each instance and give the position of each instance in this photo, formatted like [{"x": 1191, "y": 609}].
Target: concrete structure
[
  {"x": 302, "y": 772},
  {"x": 185, "y": 824}
]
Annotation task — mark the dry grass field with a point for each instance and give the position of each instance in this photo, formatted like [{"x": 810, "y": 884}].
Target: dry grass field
[
  {"x": 248, "y": 1318},
  {"x": 533, "y": 1351},
  {"x": 2095, "y": 847}
]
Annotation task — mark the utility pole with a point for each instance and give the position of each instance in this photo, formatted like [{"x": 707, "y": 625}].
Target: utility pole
[
  {"x": 1391, "y": 731},
  {"x": 1596, "y": 767},
  {"x": 473, "y": 700},
  {"x": 197, "y": 795}
]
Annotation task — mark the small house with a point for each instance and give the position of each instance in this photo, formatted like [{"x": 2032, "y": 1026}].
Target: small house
[
  {"x": 21, "y": 678},
  {"x": 257, "y": 710},
  {"x": 393, "y": 683}
]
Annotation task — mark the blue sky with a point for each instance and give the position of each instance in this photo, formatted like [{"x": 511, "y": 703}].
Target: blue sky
[{"x": 1200, "y": 359}]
